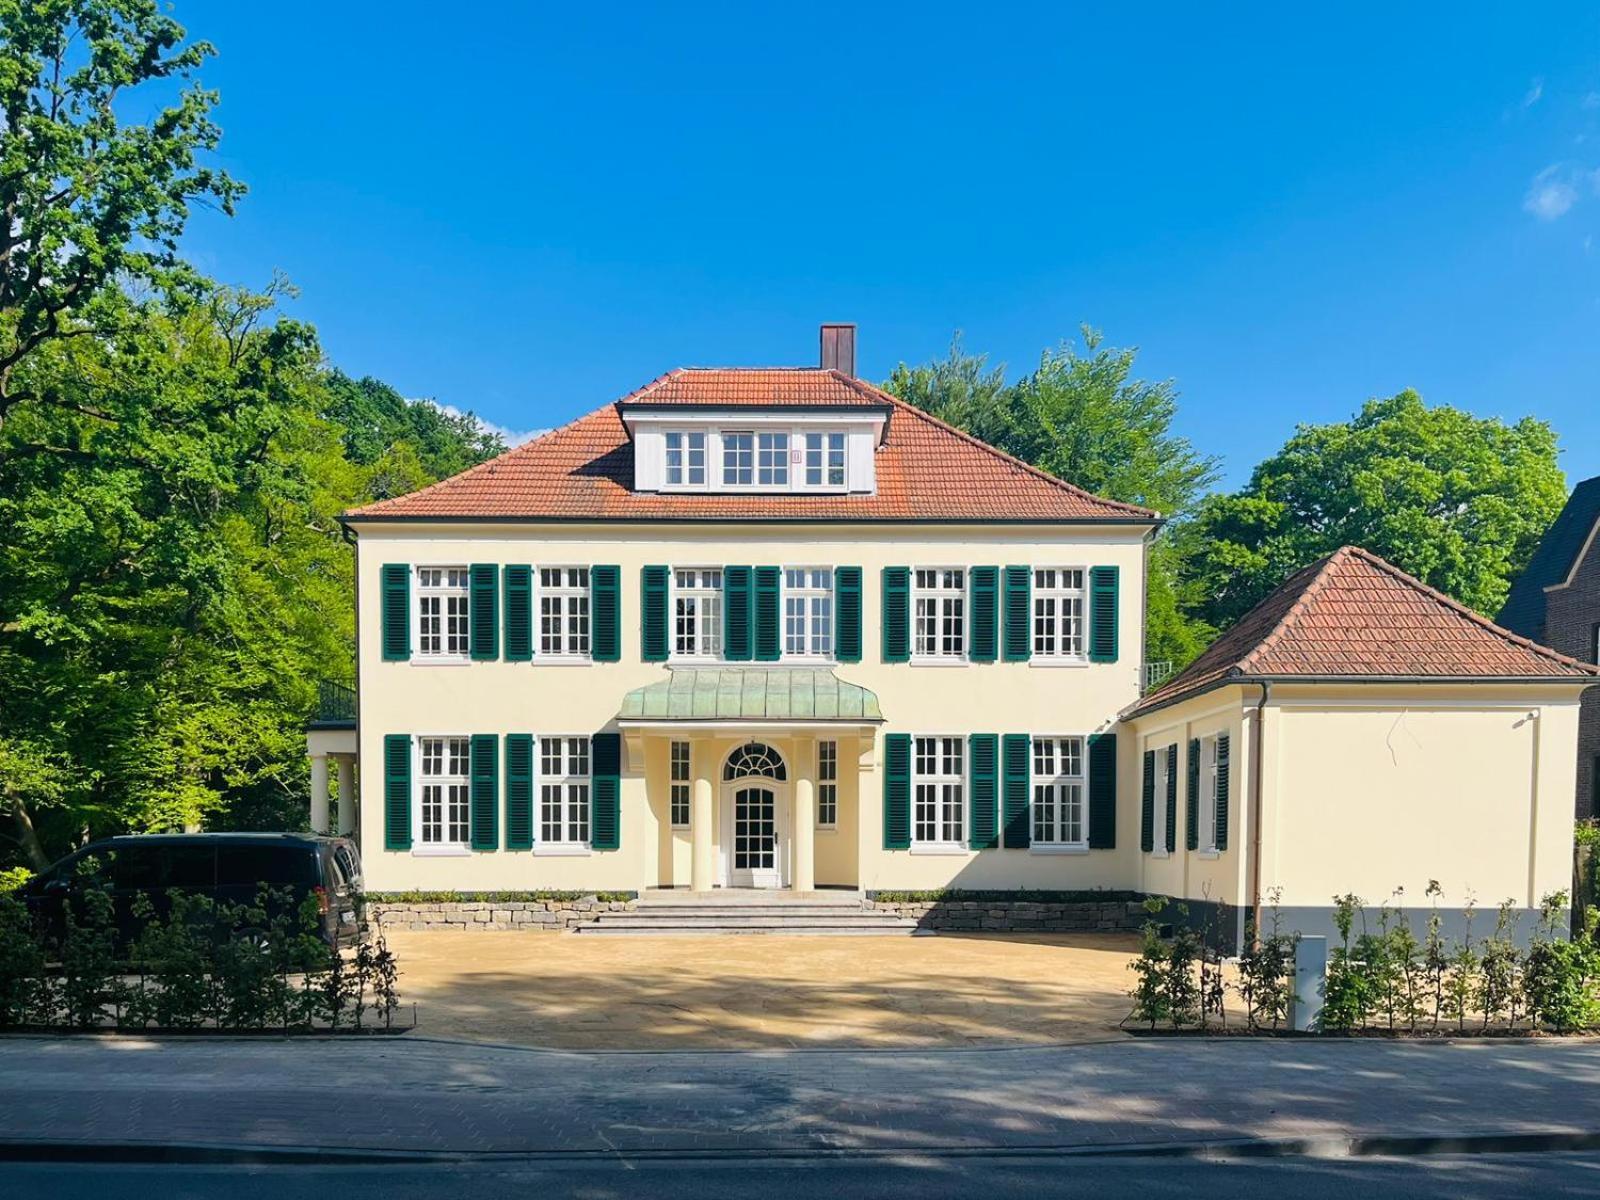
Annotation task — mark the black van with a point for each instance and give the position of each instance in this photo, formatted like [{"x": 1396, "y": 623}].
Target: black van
[{"x": 226, "y": 866}]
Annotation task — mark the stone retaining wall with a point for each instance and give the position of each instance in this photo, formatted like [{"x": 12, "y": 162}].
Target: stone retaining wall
[
  {"x": 527, "y": 915},
  {"x": 1022, "y": 916}
]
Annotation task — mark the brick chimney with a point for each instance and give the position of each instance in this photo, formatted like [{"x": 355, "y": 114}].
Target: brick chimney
[{"x": 839, "y": 349}]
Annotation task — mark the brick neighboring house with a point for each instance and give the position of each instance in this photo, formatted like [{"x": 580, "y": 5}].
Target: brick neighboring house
[{"x": 1556, "y": 602}]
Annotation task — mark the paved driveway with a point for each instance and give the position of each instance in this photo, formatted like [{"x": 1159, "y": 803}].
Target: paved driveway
[{"x": 714, "y": 993}]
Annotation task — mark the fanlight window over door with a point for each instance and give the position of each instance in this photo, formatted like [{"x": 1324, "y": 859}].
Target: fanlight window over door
[{"x": 753, "y": 759}]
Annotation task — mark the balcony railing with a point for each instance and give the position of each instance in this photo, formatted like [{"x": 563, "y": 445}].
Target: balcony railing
[
  {"x": 336, "y": 703},
  {"x": 1153, "y": 675}
]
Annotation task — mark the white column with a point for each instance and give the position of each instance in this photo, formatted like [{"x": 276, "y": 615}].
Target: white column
[
  {"x": 319, "y": 793},
  {"x": 805, "y": 814},
  {"x": 347, "y": 794},
  {"x": 702, "y": 853}
]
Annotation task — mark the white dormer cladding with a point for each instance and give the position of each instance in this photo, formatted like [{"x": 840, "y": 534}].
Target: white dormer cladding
[{"x": 742, "y": 450}]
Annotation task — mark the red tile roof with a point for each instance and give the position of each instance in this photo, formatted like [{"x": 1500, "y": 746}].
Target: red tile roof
[
  {"x": 926, "y": 470},
  {"x": 1355, "y": 616}
]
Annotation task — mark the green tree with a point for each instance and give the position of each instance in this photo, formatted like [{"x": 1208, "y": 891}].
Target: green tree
[
  {"x": 376, "y": 419},
  {"x": 1457, "y": 500}
]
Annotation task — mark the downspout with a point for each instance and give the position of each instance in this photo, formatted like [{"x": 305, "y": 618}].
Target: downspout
[
  {"x": 1256, "y": 757},
  {"x": 349, "y": 536}
]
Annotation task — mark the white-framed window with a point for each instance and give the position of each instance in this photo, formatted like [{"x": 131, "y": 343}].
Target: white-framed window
[
  {"x": 738, "y": 459},
  {"x": 772, "y": 459},
  {"x": 1158, "y": 839},
  {"x": 686, "y": 458},
  {"x": 1058, "y": 612},
  {"x": 1059, "y": 787},
  {"x": 827, "y": 784},
  {"x": 564, "y": 612},
  {"x": 824, "y": 460},
  {"x": 697, "y": 612},
  {"x": 937, "y": 791},
  {"x": 679, "y": 770},
  {"x": 564, "y": 791},
  {"x": 442, "y": 612},
  {"x": 808, "y": 612},
  {"x": 939, "y": 601},
  {"x": 1207, "y": 838},
  {"x": 444, "y": 797}
]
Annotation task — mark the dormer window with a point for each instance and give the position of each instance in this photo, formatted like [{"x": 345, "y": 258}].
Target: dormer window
[
  {"x": 755, "y": 452},
  {"x": 824, "y": 460},
  {"x": 738, "y": 456},
  {"x": 686, "y": 458},
  {"x": 772, "y": 459}
]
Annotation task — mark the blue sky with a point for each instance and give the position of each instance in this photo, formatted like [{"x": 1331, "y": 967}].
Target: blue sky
[{"x": 528, "y": 210}]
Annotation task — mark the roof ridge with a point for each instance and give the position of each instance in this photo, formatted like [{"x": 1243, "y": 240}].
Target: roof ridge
[
  {"x": 1321, "y": 573},
  {"x": 872, "y": 391}
]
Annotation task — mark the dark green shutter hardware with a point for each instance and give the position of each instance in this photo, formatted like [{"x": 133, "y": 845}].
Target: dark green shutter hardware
[
  {"x": 395, "y": 591},
  {"x": 985, "y": 613},
  {"x": 1019, "y": 615},
  {"x": 768, "y": 622},
  {"x": 1172, "y": 797},
  {"x": 1147, "y": 805},
  {"x": 397, "y": 792},
  {"x": 847, "y": 614},
  {"x": 605, "y": 613},
  {"x": 738, "y": 604},
  {"x": 484, "y": 791},
  {"x": 896, "y": 614},
  {"x": 519, "y": 791},
  {"x": 1103, "y": 791},
  {"x": 1222, "y": 790},
  {"x": 983, "y": 826},
  {"x": 519, "y": 613},
  {"x": 1015, "y": 748},
  {"x": 605, "y": 831},
  {"x": 897, "y": 791},
  {"x": 483, "y": 625},
  {"x": 653, "y": 616},
  {"x": 1103, "y": 614},
  {"x": 1191, "y": 809}
]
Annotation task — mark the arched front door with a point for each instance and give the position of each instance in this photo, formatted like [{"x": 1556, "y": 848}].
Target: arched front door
[{"x": 755, "y": 825}]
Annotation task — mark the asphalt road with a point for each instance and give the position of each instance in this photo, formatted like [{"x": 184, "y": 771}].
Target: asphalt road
[{"x": 1437, "y": 1178}]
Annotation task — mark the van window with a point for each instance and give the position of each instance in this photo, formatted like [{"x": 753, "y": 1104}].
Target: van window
[
  {"x": 137, "y": 867},
  {"x": 158, "y": 865},
  {"x": 275, "y": 865}
]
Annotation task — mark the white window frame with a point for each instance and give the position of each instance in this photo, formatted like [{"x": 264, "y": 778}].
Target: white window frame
[
  {"x": 443, "y": 593},
  {"x": 685, "y": 451},
  {"x": 1058, "y": 596},
  {"x": 815, "y": 618},
  {"x": 827, "y": 784},
  {"x": 1060, "y": 784},
  {"x": 818, "y": 450},
  {"x": 1207, "y": 838},
  {"x": 942, "y": 596},
  {"x": 573, "y": 798},
  {"x": 941, "y": 781},
  {"x": 772, "y": 459},
  {"x": 1158, "y": 826},
  {"x": 724, "y": 448},
  {"x": 680, "y": 785},
  {"x": 576, "y": 648},
  {"x": 705, "y": 631},
  {"x": 445, "y": 847}
]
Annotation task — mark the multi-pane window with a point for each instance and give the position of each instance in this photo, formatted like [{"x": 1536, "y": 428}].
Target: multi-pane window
[
  {"x": 1058, "y": 792},
  {"x": 1159, "y": 841},
  {"x": 808, "y": 612},
  {"x": 1208, "y": 793},
  {"x": 697, "y": 613},
  {"x": 738, "y": 459},
  {"x": 564, "y": 790},
  {"x": 1058, "y": 612},
  {"x": 445, "y": 786},
  {"x": 937, "y": 791},
  {"x": 827, "y": 784},
  {"x": 940, "y": 596},
  {"x": 824, "y": 460},
  {"x": 564, "y": 611},
  {"x": 442, "y": 612},
  {"x": 772, "y": 459},
  {"x": 680, "y": 785},
  {"x": 686, "y": 459}
]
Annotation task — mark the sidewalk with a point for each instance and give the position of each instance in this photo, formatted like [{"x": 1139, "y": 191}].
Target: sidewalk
[{"x": 410, "y": 1095}]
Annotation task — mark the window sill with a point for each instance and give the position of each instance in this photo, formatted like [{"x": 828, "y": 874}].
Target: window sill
[
  {"x": 418, "y": 660},
  {"x": 1160, "y": 854},
  {"x": 439, "y": 851},
  {"x": 827, "y": 829},
  {"x": 561, "y": 850},
  {"x": 947, "y": 848},
  {"x": 1056, "y": 848},
  {"x": 941, "y": 661},
  {"x": 1049, "y": 662},
  {"x": 562, "y": 660},
  {"x": 1208, "y": 854},
  {"x": 685, "y": 828}
]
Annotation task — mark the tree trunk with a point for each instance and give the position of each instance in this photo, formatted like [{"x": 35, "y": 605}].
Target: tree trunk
[{"x": 27, "y": 835}]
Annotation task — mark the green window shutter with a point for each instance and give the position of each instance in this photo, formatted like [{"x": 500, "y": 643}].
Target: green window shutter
[
  {"x": 1103, "y": 614},
  {"x": 1223, "y": 767},
  {"x": 1018, "y": 810},
  {"x": 395, "y": 592},
  {"x": 605, "y": 828},
  {"x": 605, "y": 614},
  {"x": 1191, "y": 808},
  {"x": 896, "y": 614},
  {"x": 1172, "y": 797},
  {"x": 847, "y": 614},
  {"x": 484, "y": 791},
  {"x": 483, "y": 611},
  {"x": 519, "y": 613},
  {"x": 983, "y": 827},
  {"x": 1103, "y": 791},
  {"x": 768, "y": 626},
  {"x": 737, "y": 614},
  {"x": 897, "y": 791},
  {"x": 653, "y": 619},
  {"x": 1147, "y": 805},
  {"x": 985, "y": 613},
  {"x": 519, "y": 791},
  {"x": 397, "y": 792},
  {"x": 1019, "y": 617}
]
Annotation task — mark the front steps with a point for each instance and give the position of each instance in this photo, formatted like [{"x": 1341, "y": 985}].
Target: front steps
[{"x": 740, "y": 911}]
